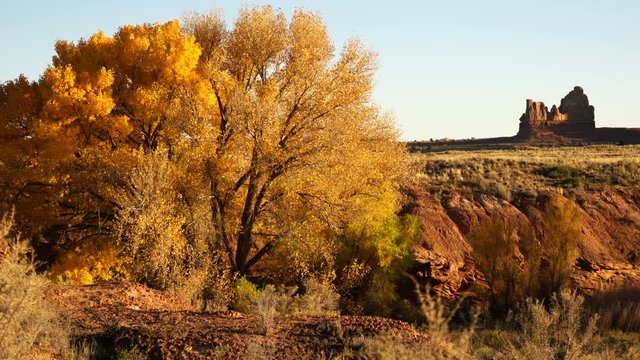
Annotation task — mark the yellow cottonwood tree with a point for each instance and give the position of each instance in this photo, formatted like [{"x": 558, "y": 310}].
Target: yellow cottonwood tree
[
  {"x": 103, "y": 101},
  {"x": 299, "y": 143}
]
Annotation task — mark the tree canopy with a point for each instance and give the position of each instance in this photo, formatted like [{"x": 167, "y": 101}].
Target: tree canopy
[{"x": 200, "y": 137}]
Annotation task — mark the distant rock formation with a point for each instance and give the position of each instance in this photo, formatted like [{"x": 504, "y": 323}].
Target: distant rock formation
[{"x": 575, "y": 117}]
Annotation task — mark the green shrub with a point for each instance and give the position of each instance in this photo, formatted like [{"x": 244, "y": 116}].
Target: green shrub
[
  {"x": 246, "y": 294},
  {"x": 371, "y": 259}
]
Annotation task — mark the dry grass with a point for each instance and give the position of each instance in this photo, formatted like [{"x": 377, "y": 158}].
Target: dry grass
[
  {"x": 530, "y": 170},
  {"x": 618, "y": 309}
]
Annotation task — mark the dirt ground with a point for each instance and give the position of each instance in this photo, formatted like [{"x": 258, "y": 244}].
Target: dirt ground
[{"x": 128, "y": 316}]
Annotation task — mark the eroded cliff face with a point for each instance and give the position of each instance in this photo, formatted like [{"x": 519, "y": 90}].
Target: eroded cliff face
[{"x": 609, "y": 246}]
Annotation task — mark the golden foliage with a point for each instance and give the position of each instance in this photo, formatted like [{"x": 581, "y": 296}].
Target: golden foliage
[
  {"x": 172, "y": 144},
  {"x": 90, "y": 263},
  {"x": 495, "y": 249},
  {"x": 562, "y": 232},
  {"x": 299, "y": 147},
  {"x": 517, "y": 265}
]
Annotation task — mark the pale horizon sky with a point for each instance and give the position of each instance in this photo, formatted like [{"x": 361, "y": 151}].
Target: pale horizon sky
[{"x": 455, "y": 69}]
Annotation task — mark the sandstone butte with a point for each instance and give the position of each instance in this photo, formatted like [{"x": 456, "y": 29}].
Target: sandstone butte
[
  {"x": 575, "y": 117},
  {"x": 571, "y": 123},
  {"x": 573, "y": 120}
]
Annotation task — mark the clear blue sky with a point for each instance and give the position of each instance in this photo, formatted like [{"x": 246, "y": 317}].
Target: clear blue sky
[{"x": 447, "y": 68}]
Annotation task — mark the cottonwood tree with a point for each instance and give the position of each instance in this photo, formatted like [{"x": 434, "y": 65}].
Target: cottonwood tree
[
  {"x": 101, "y": 105},
  {"x": 299, "y": 143}
]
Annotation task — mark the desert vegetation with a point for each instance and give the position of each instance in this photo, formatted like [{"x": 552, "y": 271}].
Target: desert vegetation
[
  {"x": 31, "y": 326},
  {"x": 530, "y": 171},
  {"x": 245, "y": 173}
]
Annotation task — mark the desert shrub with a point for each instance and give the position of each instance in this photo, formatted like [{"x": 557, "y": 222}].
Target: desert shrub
[
  {"x": 498, "y": 344},
  {"x": 509, "y": 259},
  {"x": 437, "y": 340},
  {"x": 161, "y": 228},
  {"x": 563, "y": 175},
  {"x": 269, "y": 303},
  {"x": 156, "y": 235},
  {"x": 532, "y": 251},
  {"x": 558, "y": 333},
  {"x": 615, "y": 345},
  {"x": 261, "y": 349},
  {"x": 561, "y": 235},
  {"x": 150, "y": 224},
  {"x": 517, "y": 266},
  {"x": 29, "y": 326},
  {"x": 317, "y": 299},
  {"x": 494, "y": 245},
  {"x": 503, "y": 192},
  {"x": 210, "y": 288}
]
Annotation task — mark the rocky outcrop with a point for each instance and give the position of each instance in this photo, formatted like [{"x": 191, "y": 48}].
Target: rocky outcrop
[
  {"x": 574, "y": 117},
  {"x": 609, "y": 247},
  {"x": 576, "y": 107}
]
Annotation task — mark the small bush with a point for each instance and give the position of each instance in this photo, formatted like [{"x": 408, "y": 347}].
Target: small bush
[
  {"x": 246, "y": 294},
  {"x": 210, "y": 288},
  {"x": 318, "y": 299},
  {"x": 562, "y": 233},
  {"x": 495, "y": 248},
  {"x": 29, "y": 327},
  {"x": 558, "y": 333},
  {"x": 503, "y": 192},
  {"x": 439, "y": 341},
  {"x": 268, "y": 303}
]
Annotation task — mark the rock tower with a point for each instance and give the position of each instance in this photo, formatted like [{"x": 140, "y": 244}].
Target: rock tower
[{"x": 574, "y": 117}]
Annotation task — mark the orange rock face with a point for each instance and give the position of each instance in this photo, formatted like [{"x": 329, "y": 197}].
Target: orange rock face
[{"x": 609, "y": 246}]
